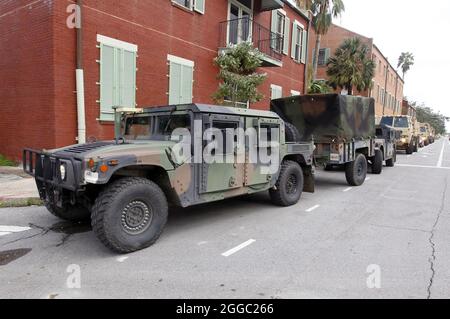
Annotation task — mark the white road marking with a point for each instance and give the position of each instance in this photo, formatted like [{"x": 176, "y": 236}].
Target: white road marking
[
  {"x": 441, "y": 156},
  {"x": 347, "y": 189},
  {"x": 13, "y": 229},
  {"x": 236, "y": 249},
  {"x": 4, "y": 233},
  {"x": 122, "y": 259},
  {"x": 202, "y": 243},
  {"x": 309, "y": 210},
  {"x": 368, "y": 179},
  {"x": 421, "y": 166}
]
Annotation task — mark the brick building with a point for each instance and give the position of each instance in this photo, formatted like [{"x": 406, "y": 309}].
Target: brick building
[
  {"x": 387, "y": 84},
  {"x": 130, "y": 53},
  {"x": 408, "y": 109}
]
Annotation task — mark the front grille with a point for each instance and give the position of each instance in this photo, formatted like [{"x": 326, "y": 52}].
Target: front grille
[{"x": 87, "y": 147}]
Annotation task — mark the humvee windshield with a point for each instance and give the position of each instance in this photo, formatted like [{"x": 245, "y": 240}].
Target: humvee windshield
[
  {"x": 401, "y": 122},
  {"x": 423, "y": 129},
  {"x": 387, "y": 120},
  {"x": 155, "y": 127}
]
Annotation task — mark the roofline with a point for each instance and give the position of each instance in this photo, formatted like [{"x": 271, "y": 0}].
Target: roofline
[
  {"x": 395, "y": 70},
  {"x": 297, "y": 10},
  {"x": 374, "y": 45},
  {"x": 356, "y": 33}
]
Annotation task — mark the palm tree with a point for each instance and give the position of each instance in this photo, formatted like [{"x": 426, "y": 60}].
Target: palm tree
[
  {"x": 323, "y": 12},
  {"x": 405, "y": 61},
  {"x": 351, "y": 66}
]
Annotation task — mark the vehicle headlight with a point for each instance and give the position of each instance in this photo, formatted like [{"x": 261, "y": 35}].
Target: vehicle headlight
[
  {"x": 403, "y": 140},
  {"x": 63, "y": 171}
]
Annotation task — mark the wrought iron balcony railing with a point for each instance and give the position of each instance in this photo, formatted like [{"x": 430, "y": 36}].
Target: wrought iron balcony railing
[{"x": 245, "y": 29}]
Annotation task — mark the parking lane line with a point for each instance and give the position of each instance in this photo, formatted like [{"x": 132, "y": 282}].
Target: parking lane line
[
  {"x": 441, "y": 156},
  {"x": 122, "y": 259},
  {"x": 238, "y": 248},
  {"x": 309, "y": 210},
  {"x": 4, "y": 233},
  {"x": 421, "y": 166},
  {"x": 13, "y": 229},
  {"x": 347, "y": 189}
]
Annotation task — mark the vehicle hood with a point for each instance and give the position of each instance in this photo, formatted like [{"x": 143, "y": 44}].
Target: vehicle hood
[{"x": 109, "y": 149}]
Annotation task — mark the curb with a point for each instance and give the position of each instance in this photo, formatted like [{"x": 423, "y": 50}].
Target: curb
[{"x": 21, "y": 202}]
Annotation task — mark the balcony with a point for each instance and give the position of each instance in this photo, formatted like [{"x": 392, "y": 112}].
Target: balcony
[{"x": 236, "y": 31}]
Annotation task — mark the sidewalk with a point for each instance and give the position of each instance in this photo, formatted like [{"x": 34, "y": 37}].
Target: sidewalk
[{"x": 17, "y": 188}]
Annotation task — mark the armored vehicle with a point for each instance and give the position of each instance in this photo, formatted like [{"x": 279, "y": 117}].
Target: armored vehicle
[
  {"x": 342, "y": 128},
  {"x": 163, "y": 156},
  {"x": 424, "y": 134},
  {"x": 409, "y": 140},
  {"x": 386, "y": 147}
]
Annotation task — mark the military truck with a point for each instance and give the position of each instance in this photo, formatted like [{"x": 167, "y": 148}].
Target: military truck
[
  {"x": 342, "y": 128},
  {"x": 386, "y": 145},
  {"x": 432, "y": 133},
  {"x": 409, "y": 140},
  {"x": 424, "y": 134},
  {"x": 126, "y": 185}
]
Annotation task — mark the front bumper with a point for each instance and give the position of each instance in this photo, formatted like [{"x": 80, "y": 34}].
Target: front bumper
[{"x": 45, "y": 168}]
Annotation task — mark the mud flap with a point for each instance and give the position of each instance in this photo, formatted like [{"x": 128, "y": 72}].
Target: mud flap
[{"x": 309, "y": 184}]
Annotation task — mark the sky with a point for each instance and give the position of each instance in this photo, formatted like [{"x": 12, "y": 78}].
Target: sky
[{"x": 408, "y": 25}]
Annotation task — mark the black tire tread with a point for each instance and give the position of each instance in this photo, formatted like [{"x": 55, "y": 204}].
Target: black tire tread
[
  {"x": 377, "y": 162},
  {"x": 276, "y": 196},
  {"x": 72, "y": 214},
  {"x": 102, "y": 204}
]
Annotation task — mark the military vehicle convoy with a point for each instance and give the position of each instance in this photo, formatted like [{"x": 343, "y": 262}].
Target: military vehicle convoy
[
  {"x": 162, "y": 156},
  {"x": 409, "y": 140},
  {"x": 126, "y": 186},
  {"x": 342, "y": 128}
]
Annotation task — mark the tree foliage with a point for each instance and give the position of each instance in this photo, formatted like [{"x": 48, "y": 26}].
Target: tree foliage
[
  {"x": 239, "y": 79},
  {"x": 426, "y": 114},
  {"x": 405, "y": 61},
  {"x": 351, "y": 66},
  {"x": 319, "y": 87}
]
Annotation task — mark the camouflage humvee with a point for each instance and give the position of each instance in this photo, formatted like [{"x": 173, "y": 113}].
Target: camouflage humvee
[
  {"x": 424, "y": 134},
  {"x": 409, "y": 140},
  {"x": 342, "y": 128},
  {"x": 125, "y": 186},
  {"x": 386, "y": 147}
]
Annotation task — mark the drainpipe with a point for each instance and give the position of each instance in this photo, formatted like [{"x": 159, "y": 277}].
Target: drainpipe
[
  {"x": 396, "y": 88},
  {"x": 385, "y": 88},
  {"x": 79, "y": 73},
  {"x": 305, "y": 81}
]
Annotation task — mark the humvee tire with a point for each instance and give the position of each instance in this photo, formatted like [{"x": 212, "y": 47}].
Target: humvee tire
[
  {"x": 69, "y": 212},
  {"x": 416, "y": 147},
  {"x": 410, "y": 149},
  {"x": 390, "y": 162},
  {"x": 291, "y": 132},
  {"x": 289, "y": 187},
  {"x": 130, "y": 214},
  {"x": 356, "y": 171},
  {"x": 377, "y": 162}
]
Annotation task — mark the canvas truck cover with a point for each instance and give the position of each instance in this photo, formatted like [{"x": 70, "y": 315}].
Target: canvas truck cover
[{"x": 328, "y": 117}]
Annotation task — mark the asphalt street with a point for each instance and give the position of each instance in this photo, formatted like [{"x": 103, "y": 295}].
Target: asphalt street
[{"x": 386, "y": 239}]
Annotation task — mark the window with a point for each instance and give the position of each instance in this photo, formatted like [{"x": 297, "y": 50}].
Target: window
[
  {"x": 324, "y": 55},
  {"x": 378, "y": 93},
  {"x": 181, "y": 78},
  {"x": 280, "y": 31},
  {"x": 299, "y": 42},
  {"x": 276, "y": 92},
  {"x": 197, "y": 5},
  {"x": 117, "y": 76}
]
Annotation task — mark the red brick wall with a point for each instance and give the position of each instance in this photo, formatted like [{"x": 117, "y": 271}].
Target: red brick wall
[
  {"x": 158, "y": 28},
  {"x": 26, "y": 76}
]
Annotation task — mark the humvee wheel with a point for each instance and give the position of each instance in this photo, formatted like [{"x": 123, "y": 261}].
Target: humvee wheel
[
  {"x": 69, "y": 212},
  {"x": 130, "y": 214},
  {"x": 289, "y": 187},
  {"x": 410, "y": 149},
  {"x": 356, "y": 171},
  {"x": 391, "y": 162},
  {"x": 291, "y": 132},
  {"x": 377, "y": 162}
]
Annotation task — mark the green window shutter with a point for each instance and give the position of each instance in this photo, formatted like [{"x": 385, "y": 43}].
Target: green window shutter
[
  {"x": 273, "y": 28},
  {"x": 128, "y": 79},
  {"x": 304, "y": 46},
  {"x": 175, "y": 78},
  {"x": 294, "y": 40},
  {"x": 287, "y": 27},
  {"x": 327, "y": 55},
  {"x": 199, "y": 6},
  {"x": 107, "y": 82},
  {"x": 187, "y": 77}
]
